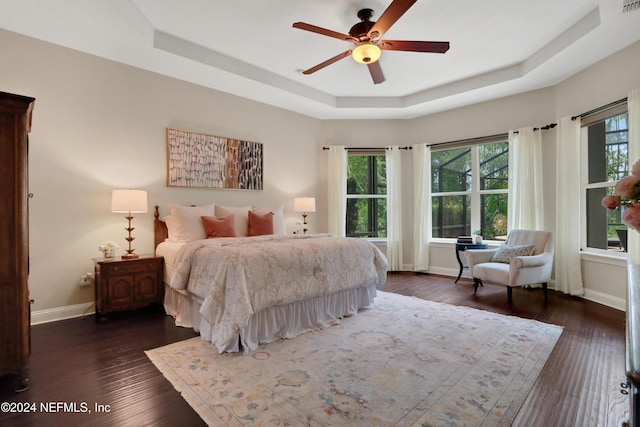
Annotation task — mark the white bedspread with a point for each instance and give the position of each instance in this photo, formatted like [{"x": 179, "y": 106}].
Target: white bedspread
[{"x": 237, "y": 277}]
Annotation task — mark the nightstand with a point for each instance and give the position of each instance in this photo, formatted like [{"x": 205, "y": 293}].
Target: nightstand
[{"x": 128, "y": 284}]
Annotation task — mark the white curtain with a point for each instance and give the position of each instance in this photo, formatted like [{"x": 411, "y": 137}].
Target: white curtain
[
  {"x": 394, "y": 211},
  {"x": 525, "y": 180},
  {"x": 422, "y": 233},
  {"x": 633, "y": 104},
  {"x": 568, "y": 273},
  {"x": 337, "y": 191}
]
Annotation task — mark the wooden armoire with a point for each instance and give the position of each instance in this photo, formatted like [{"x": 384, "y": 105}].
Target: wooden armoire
[{"x": 15, "y": 124}]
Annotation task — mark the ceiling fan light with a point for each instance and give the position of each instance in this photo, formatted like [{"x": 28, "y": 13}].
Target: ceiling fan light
[{"x": 366, "y": 53}]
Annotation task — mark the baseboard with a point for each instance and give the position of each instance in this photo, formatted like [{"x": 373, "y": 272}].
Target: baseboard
[
  {"x": 605, "y": 299},
  {"x": 61, "y": 313},
  {"x": 405, "y": 267},
  {"x": 453, "y": 272},
  {"x": 79, "y": 310}
]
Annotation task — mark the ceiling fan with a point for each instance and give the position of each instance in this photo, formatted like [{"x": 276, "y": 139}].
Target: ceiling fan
[{"x": 366, "y": 36}]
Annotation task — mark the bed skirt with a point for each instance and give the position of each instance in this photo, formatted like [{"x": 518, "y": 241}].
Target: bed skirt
[{"x": 271, "y": 324}]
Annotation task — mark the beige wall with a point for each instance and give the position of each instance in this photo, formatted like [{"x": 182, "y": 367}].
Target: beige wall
[{"x": 100, "y": 125}]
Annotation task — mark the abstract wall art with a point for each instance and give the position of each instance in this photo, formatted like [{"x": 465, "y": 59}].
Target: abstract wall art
[{"x": 207, "y": 161}]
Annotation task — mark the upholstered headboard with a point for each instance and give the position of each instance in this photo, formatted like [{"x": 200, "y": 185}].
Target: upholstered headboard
[{"x": 160, "y": 231}]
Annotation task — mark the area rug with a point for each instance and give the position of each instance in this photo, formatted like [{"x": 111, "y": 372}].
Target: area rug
[{"x": 403, "y": 362}]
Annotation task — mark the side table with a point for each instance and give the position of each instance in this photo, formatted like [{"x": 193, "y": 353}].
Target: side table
[
  {"x": 461, "y": 247},
  {"x": 128, "y": 284}
]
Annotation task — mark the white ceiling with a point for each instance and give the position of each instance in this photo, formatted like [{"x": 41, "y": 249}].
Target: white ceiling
[{"x": 249, "y": 48}]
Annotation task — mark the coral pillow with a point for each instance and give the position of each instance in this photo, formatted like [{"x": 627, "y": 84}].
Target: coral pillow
[
  {"x": 278, "y": 218},
  {"x": 219, "y": 227},
  {"x": 260, "y": 224}
]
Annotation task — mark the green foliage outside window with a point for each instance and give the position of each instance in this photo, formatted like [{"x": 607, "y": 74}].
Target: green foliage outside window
[
  {"x": 367, "y": 183},
  {"x": 452, "y": 172},
  {"x": 494, "y": 175},
  {"x": 617, "y": 147}
]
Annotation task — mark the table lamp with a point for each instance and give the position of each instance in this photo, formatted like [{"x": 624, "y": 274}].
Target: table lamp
[
  {"x": 129, "y": 201},
  {"x": 304, "y": 205}
]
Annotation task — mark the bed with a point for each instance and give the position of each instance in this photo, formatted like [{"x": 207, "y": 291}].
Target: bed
[{"x": 240, "y": 291}]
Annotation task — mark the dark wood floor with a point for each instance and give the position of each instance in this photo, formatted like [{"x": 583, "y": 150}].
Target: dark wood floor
[
  {"x": 580, "y": 383},
  {"x": 79, "y": 360}
]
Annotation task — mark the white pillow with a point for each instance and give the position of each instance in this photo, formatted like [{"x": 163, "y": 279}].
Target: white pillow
[
  {"x": 278, "y": 218},
  {"x": 187, "y": 225},
  {"x": 170, "y": 222},
  {"x": 240, "y": 218}
]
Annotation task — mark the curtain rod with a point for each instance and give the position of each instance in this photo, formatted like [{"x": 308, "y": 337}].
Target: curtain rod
[
  {"x": 463, "y": 141},
  {"x": 545, "y": 127},
  {"x": 604, "y": 107},
  {"x": 369, "y": 148},
  {"x": 488, "y": 137}
]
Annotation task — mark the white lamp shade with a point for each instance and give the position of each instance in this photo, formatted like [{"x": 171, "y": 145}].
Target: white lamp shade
[
  {"x": 129, "y": 201},
  {"x": 304, "y": 204}
]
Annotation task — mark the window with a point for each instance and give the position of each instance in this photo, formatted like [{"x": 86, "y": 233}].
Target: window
[
  {"x": 366, "y": 195},
  {"x": 607, "y": 160},
  {"x": 469, "y": 188}
]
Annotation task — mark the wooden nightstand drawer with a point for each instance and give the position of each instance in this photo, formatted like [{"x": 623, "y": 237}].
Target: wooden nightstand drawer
[
  {"x": 128, "y": 284},
  {"x": 131, "y": 266}
]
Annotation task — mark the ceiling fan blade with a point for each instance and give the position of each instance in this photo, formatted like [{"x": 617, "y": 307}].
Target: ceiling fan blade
[
  {"x": 376, "y": 72},
  {"x": 389, "y": 17},
  {"x": 323, "y": 31},
  {"x": 328, "y": 62},
  {"x": 414, "y": 46}
]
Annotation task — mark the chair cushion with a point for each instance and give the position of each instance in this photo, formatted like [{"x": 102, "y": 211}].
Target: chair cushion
[
  {"x": 506, "y": 252},
  {"x": 494, "y": 272}
]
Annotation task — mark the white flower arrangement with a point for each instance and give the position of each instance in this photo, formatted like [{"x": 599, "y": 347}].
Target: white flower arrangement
[{"x": 108, "y": 246}]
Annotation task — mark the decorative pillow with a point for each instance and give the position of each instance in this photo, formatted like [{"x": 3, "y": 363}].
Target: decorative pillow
[
  {"x": 506, "y": 252},
  {"x": 278, "y": 218},
  {"x": 218, "y": 227},
  {"x": 186, "y": 223},
  {"x": 260, "y": 224},
  {"x": 241, "y": 217},
  {"x": 170, "y": 222}
]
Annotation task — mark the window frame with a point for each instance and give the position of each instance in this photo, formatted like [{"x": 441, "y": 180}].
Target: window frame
[
  {"x": 475, "y": 194},
  {"x": 370, "y": 153},
  {"x": 585, "y": 186}
]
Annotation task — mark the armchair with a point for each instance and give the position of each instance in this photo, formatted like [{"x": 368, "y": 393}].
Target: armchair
[{"x": 525, "y": 258}]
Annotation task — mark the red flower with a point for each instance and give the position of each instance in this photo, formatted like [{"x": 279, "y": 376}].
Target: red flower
[
  {"x": 628, "y": 187},
  {"x": 627, "y": 194},
  {"x": 610, "y": 202}
]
